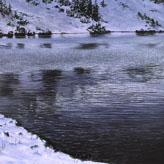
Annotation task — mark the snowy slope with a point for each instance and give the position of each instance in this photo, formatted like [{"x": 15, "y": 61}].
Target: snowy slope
[
  {"x": 122, "y": 15},
  {"x": 17, "y": 146},
  {"x": 118, "y": 15},
  {"x": 40, "y": 17}
]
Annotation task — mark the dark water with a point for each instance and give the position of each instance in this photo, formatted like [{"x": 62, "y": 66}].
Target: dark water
[{"x": 110, "y": 110}]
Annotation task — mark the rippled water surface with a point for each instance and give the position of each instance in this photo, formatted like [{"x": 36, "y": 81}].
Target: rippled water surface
[{"x": 99, "y": 98}]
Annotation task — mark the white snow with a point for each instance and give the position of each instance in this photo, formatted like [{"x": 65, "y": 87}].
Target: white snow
[
  {"x": 40, "y": 17},
  {"x": 126, "y": 18},
  {"x": 17, "y": 146}
]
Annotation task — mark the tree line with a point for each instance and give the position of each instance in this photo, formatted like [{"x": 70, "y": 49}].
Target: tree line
[{"x": 4, "y": 8}]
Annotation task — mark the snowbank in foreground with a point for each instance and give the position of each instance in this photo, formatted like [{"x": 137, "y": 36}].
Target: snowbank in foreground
[{"x": 17, "y": 146}]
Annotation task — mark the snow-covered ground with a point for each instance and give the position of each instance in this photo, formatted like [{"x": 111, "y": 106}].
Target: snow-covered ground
[
  {"x": 122, "y": 15},
  {"x": 17, "y": 146},
  {"x": 41, "y": 17},
  {"x": 118, "y": 15}
]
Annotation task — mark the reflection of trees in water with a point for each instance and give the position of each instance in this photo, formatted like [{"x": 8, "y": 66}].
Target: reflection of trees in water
[
  {"x": 41, "y": 97},
  {"x": 20, "y": 46},
  {"x": 50, "y": 90},
  {"x": 83, "y": 131},
  {"x": 43, "y": 91},
  {"x": 6, "y": 46},
  {"x": 88, "y": 46},
  {"x": 49, "y": 77},
  {"x": 144, "y": 73},
  {"x": 48, "y": 94},
  {"x": 29, "y": 93},
  {"x": 73, "y": 86},
  {"x": 7, "y": 84},
  {"x": 46, "y": 45}
]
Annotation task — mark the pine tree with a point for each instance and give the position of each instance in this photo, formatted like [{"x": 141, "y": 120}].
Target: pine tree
[
  {"x": 95, "y": 12},
  {"x": 103, "y": 3},
  {"x": 82, "y": 7},
  {"x": 9, "y": 9},
  {"x": 89, "y": 8},
  {"x": 75, "y": 4}
]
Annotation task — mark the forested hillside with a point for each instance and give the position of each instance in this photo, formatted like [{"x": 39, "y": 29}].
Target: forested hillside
[{"x": 80, "y": 16}]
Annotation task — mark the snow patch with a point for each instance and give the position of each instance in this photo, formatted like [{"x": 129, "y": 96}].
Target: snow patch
[{"x": 17, "y": 146}]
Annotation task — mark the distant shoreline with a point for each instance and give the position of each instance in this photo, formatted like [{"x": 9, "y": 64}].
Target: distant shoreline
[{"x": 22, "y": 35}]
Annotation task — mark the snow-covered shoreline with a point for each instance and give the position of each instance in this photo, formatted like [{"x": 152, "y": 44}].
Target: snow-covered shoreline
[{"x": 17, "y": 146}]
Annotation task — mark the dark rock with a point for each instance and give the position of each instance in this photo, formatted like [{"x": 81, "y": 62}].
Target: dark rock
[
  {"x": 46, "y": 34},
  {"x": 10, "y": 34},
  {"x": 20, "y": 32},
  {"x": 1, "y": 35},
  {"x": 145, "y": 32},
  {"x": 97, "y": 29}
]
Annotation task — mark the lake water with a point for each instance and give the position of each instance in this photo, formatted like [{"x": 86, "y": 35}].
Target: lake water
[{"x": 99, "y": 98}]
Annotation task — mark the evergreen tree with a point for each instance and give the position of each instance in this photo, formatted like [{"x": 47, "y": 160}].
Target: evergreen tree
[
  {"x": 95, "y": 12},
  {"x": 82, "y": 7},
  {"x": 89, "y": 8},
  {"x": 9, "y": 8},
  {"x": 75, "y": 5},
  {"x": 103, "y": 3},
  {"x": 4, "y": 9}
]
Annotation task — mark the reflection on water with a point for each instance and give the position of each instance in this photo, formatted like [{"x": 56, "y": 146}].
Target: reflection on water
[
  {"x": 144, "y": 73},
  {"x": 149, "y": 45},
  {"x": 86, "y": 46},
  {"x": 88, "y": 115},
  {"x": 8, "y": 81},
  {"x": 20, "y": 46},
  {"x": 80, "y": 70},
  {"x": 6, "y": 46},
  {"x": 43, "y": 36},
  {"x": 46, "y": 45},
  {"x": 152, "y": 45},
  {"x": 142, "y": 33}
]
